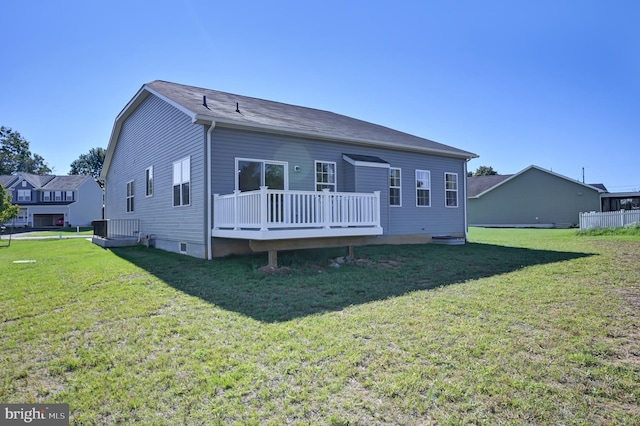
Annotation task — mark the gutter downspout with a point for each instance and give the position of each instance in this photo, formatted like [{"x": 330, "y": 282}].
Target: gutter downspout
[
  {"x": 466, "y": 201},
  {"x": 209, "y": 209}
]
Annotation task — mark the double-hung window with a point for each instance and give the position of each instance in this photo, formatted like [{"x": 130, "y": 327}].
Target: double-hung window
[
  {"x": 423, "y": 188},
  {"x": 130, "y": 194},
  {"x": 148, "y": 175},
  {"x": 395, "y": 187},
  {"x": 24, "y": 195},
  {"x": 181, "y": 182},
  {"x": 325, "y": 175},
  {"x": 451, "y": 189}
]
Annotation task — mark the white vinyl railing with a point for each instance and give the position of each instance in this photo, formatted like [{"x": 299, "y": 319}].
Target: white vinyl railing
[
  {"x": 619, "y": 219},
  {"x": 267, "y": 209}
]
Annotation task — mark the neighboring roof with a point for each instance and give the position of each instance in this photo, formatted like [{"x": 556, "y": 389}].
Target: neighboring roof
[
  {"x": 66, "y": 183},
  {"x": 37, "y": 181},
  {"x": 478, "y": 184},
  {"x": 621, "y": 195},
  {"x": 230, "y": 110},
  {"x": 48, "y": 182},
  {"x": 6, "y": 180},
  {"x": 599, "y": 186},
  {"x": 484, "y": 186}
]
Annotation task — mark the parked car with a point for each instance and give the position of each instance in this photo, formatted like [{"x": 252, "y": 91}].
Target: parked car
[{"x": 60, "y": 222}]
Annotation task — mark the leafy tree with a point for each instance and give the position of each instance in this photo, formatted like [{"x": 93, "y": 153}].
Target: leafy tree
[
  {"x": 15, "y": 155},
  {"x": 483, "y": 171},
  {"x": 89, "y": 164},
  {"x": 8, "y": 211}
]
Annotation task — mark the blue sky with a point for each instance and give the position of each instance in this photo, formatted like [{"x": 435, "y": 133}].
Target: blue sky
[{"x": 550, "y": 83}]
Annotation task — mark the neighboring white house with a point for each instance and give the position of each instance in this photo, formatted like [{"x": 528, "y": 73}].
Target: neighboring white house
[{"x": 49, "y": 200}]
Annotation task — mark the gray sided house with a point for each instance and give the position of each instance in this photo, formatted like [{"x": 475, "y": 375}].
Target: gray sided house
[
  {"x": 48, "y": 200},
  {"x": 533, "y": 197},
  {"x": 208, "y": 173}
]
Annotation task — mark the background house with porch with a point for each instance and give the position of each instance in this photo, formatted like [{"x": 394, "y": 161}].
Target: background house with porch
[
  {"x": 533, "y": 197},
  {"x": 208, "y": 173},
  {"x": 45, "y": 199}
]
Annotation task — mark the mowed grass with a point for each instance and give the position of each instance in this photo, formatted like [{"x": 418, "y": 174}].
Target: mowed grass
[
  {"x": 62, "y": 231},
  {"x": 516, "y": 327}
]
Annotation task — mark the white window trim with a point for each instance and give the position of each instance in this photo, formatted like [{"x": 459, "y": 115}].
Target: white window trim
[
  {"x": 260, "y": 160},
  {"x": 148, "y": 173},
  {"x": 315, "y": 175},
  {"x": 181, "y": 182},
  {"x": 451, "y": 190},
  {"x": 428, "y": 172},
  {"x": 130, "y": 197},
  {"x": 399, "y": 187}
]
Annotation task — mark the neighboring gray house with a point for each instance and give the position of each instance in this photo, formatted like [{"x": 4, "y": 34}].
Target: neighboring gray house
[
  {"x": 533, "y": 197},
  {"x": 48, "y": 200},
  {"x": 208, "y": 173}
]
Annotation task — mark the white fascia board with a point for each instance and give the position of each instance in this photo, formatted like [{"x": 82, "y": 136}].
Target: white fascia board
[{"x": 172, "y": 103}]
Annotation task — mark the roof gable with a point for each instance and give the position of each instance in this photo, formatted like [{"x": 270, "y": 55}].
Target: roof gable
[
  {"x": 46, "y": 182},
  {"x": 36, "y": 181},
  {"x": 482, "y": 187}
]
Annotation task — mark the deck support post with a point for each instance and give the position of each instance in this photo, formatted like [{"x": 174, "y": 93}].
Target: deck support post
[
  {"x": 273, "y": 258},
  {"x": 350, "y": 254}
]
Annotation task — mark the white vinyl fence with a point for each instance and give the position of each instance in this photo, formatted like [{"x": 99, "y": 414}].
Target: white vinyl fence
[{"x": 619, "y": 219}]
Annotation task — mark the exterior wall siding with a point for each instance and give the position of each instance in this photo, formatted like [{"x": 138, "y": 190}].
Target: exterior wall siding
[
  {"x": 228, "y": 144},
  {"x": 88, "y": 204},
  {"x": 156, "y": 135},
  {"x": 534, "y": 197},
  {"x": 369, "y": 179}
]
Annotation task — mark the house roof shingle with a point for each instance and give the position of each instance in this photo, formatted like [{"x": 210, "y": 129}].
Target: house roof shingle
[
  {"x": 244, "y": 110},
  {"x": 66, "y": 183},
  {"x": 476, "y": 185}
]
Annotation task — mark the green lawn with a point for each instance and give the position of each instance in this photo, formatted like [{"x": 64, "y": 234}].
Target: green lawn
[
  {"x": 516, "y": 327},
  {"x": 62, "y": 231}
]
